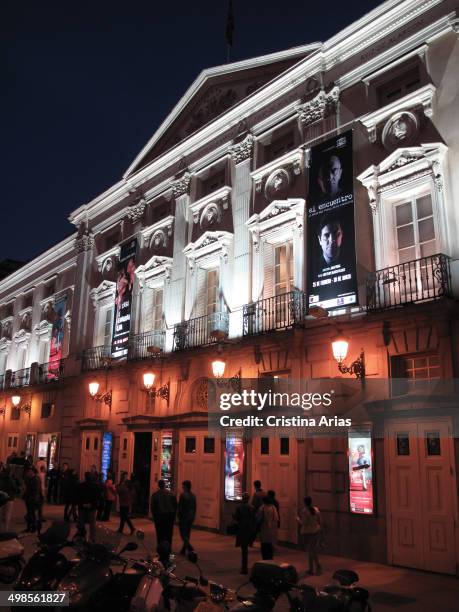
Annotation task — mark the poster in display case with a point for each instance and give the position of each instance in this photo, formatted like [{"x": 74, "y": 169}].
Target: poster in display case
[
  {"x": 234, "y": 467},
  {"x": 360, "y": 453}
]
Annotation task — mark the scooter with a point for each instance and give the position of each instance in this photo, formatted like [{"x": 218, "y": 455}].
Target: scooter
[
  {"x": 47, "y": 566},
  {"x": 92, "y": 585},
  {"x": 11, "y": 557}
]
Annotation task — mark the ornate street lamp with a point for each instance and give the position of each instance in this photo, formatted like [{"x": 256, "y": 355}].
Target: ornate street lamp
[
  {"x": 340, "y": 346},
  {"x": 105, "y": 397}
]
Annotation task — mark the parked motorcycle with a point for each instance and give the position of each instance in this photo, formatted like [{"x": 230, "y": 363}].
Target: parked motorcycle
[
  {"x": 11, "y": 557},
  {"x": 47, "y": 566},
  {"x": 92, "y": 584}
]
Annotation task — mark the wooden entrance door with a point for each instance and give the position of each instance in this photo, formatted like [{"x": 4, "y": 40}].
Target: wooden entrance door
[
  {"x": 91, "y": 444},
  {"x": 421, "y": 488},
  {"x": 274, "y": 462},
  {"x": 200, "y": 462}
]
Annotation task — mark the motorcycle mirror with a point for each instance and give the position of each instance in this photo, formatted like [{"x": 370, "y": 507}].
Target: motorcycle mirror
[
  {"x": 130, "y": 546},
  {"x": 192, "y": 557},
  {"x": 140, "y": 534}
]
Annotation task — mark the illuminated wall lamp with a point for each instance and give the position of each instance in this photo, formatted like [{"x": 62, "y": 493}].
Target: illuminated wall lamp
[
  {"x": 106, "y": 397},
  {"x": 163, "y": 392},
  {"x": 340, "y": 346}
]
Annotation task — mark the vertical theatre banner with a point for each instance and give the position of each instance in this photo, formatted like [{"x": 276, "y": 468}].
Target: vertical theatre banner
[
  {"x": 234, "y": 467},
  {"x": 332, "y": 281},
  {"x": 360, "y": 453},
  {"x": 123, "y": 299},
  {"x": 57, "y": 338}
]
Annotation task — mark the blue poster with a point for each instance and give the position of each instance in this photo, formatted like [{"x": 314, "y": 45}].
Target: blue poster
[{"x": 107, "y": 443}]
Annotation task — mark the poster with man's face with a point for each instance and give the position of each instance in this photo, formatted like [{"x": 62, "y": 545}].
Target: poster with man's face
[
  {"x": 123, "y": 299},
  {"x": 360, "y": 472},
  {"x": 332, "y": 281}
]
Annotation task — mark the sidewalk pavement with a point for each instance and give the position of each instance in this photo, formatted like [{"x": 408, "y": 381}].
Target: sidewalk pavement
[{"x": 391, "y": 588}]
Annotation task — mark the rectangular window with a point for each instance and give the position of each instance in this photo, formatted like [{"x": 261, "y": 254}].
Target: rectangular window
[
  {"x": 285, "y": 446},
  {"x": 209, "y": 446},
  {"x": 283, "y": 268},
  {"x": 108, "y": 327},
  {"x": 212, "y": 290},
  {"x": 157, "y": 319},
  {"x": 415, "y": 228},
  {"x": 414, "y": 372},
  {"x": 46, "y": 410},
  {"x": 264, "y": 446},
  {"x": 190, "y": 445},
  {"x": 15, "y": 413},
  {"x": 400, "y": 85},
  {"x": 214, "y": 182},
  {"x": 279, "y": 146}
]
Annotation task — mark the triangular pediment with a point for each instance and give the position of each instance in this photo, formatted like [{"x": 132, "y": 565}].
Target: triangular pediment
[{"x": 215, "y": 91}]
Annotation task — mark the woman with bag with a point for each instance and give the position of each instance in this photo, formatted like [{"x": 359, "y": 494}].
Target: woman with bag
[
  {"x": 268, "y": 521},
  {"x": 311, "y": 531},
  {"x": 245, "y": 530}
]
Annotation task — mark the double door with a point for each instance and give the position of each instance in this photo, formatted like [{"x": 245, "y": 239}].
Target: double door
[{"x": 421, "y": 487}]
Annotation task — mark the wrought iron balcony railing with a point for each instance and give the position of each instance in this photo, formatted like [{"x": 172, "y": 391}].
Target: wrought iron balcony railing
[
  {"x": 96, "y": 358},
  {"x": 147, "y": 345},
  {"x": 20, "y": 378},
  {"x": 277, "y": 312},
  {"x": 51, "y": 371},
  {"x": 427, "y": 278},
  {"x": 201, "y": 331}
]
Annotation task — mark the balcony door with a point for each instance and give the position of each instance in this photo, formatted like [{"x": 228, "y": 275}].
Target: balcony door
[
  {"x": 416, "y": 243},
  {"x": 278, "y": 285},
  {"x": 421, "y": 487}
]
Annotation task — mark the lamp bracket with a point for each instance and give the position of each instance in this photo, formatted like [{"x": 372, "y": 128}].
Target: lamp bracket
[{"x": 357, "y": 367}]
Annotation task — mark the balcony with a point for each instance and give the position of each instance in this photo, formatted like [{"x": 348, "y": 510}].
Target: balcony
[
  {"x": 274, "y": 313},
  {"x": 20, "y": 378},
  {"x": 420, "y": 280},
  {"x": 201, "y": 331},
  {"x": 96, "y": 358},
  {"x": 50, "y": 372},
  {"x": 147, "y": 345}
]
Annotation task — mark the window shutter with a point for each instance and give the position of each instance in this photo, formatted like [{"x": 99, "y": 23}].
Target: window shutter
[
  {"x": 268, "y": 270},
  {"x": 108, "y": 327},
  {"x": 147, "y": 309},
  {"x": 201, "y": 293}
]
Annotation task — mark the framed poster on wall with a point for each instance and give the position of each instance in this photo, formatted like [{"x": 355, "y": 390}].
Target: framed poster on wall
[
  {"x": 234, "y": 467},
  {"x": 361, "y": 476}
]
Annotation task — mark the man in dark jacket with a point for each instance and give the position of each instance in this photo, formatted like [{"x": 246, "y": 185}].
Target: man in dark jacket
[
  {"x": 33, "y": 498},
  {"x": 186, "y": 515},
  {"x": 257, "y": 497},
  {"x": 163, "y": 506},
  {"x": 10, "y": 486},
  {"x": 87, "y": 496},
  {"x": 246, "y": 530}
]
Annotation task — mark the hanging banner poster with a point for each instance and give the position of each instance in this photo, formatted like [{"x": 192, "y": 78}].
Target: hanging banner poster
[
  {"x": 360, "y": 472},
  {"x": 107, "y": 445},
  {"x": 123, "y": 299},
  {"x": 234, "y": 467},
  {"x": 166, "y": 458},
  {"x": 57, "y": 338},
  {"x": 332, "y": 279}
]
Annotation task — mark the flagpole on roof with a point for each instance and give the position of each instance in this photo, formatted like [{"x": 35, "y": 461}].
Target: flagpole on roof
[{"x": 229, "y": 31}]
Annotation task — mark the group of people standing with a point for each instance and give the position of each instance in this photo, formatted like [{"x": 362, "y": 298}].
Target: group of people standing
[{"x": 259, "y": 516}]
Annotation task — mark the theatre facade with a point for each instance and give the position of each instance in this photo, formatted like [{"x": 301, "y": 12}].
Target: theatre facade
[{"x": 285, "y": 200}]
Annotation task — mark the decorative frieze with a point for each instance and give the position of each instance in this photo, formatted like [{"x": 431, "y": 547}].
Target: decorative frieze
[
  {"x": 242, "y": 150},
  {"x": 322, "y": 105},
  {"x": 182, "y": 185},
  {"x": 135, "y": 212},
  {"x": 85, "y": 242}
]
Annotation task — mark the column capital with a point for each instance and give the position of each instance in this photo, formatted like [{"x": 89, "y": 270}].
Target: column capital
[{"x": 242, "y": 150}]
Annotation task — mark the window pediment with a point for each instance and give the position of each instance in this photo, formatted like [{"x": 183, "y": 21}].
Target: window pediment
[
  {"x": 209, "y": 209},
  {"x": 158, "y": 235},
  {"x": 104, "y": 294},
  {"x": 21, "y": 337},
  {"x": 107, "y": 260},
  {"x": 277, "y": 218},
  {"x": 155, "y": 268},
  {"x": 209, "y": 245}
]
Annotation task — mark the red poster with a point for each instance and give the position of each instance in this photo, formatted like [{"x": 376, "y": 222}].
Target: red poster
[{"x": 360, "y": 454}]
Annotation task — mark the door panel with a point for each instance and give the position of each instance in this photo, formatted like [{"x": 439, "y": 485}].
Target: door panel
[
  {"x": 204, "y": 471},
  {"x": 279, "y": 472},
  {"x": 126, "y": 453},
  {"x": 421, "y": 506},
  {"x": 91, "y": 443}
]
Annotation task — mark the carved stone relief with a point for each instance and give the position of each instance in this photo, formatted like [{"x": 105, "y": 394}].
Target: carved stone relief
[{"x": 400, "y": 130}]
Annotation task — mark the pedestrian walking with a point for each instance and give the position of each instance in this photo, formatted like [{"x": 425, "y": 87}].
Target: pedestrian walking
[
  {"x": 125, "y": 495},
  {"x": 42, "y": 477},
  {"x": 163, "y": 506},
  {"x": 10, "y": 486},
  {"x": 69, "y": 493},
  {"x": 87, "y": 498},
  {"x": 53, "y": 484},
  {"x": 186, "y": 514},
  {"x": 109, "y": 496},
  {"x": 246, "y": 530},
  {"x": 32, "y": 498},
  {"x": 257, "y": 497},
  {"x": 272, "y": 495},
  {"x": 310, "y": 531},
  {"x": 267, "y": 519}
]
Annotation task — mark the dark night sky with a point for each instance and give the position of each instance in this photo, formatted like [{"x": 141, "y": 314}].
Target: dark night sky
[{"x": 85, "y": 84}]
